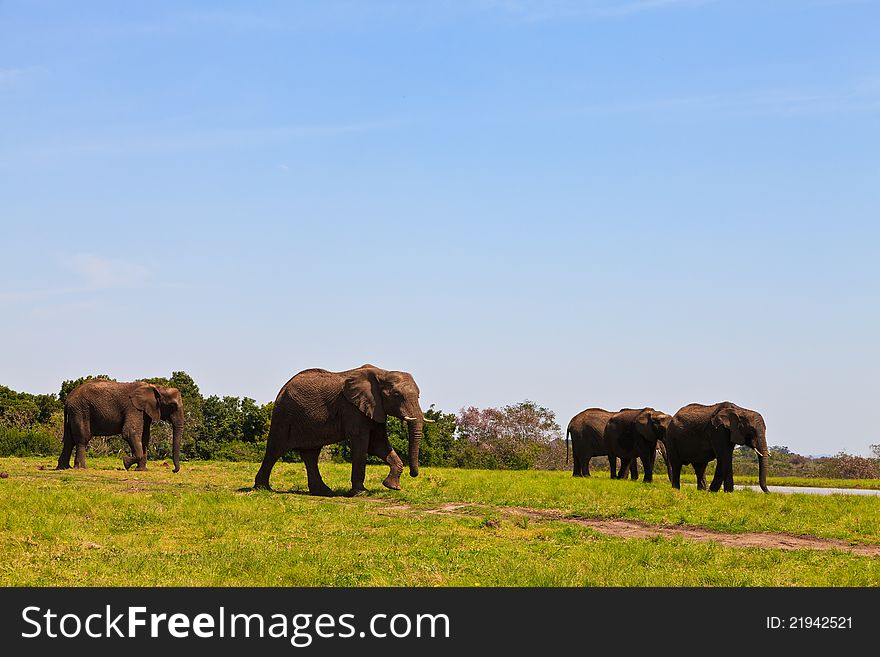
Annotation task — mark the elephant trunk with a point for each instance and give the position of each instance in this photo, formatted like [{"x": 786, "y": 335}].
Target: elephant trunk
[
  {"x": 414, "y": 426},
  {"x": 175, "y": 445},
  {"x": 763, "y": 459},
  {"x": 661, "y": 447}
]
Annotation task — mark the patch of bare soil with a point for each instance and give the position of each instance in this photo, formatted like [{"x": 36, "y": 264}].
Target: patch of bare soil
[
  {"x": 449, "y": 508},
  {"x": 643, "y": 530},
  {"x": 637, "y": 529}
]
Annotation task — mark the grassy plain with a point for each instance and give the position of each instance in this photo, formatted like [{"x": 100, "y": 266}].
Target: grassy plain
[{"x": 204, "y": 526}]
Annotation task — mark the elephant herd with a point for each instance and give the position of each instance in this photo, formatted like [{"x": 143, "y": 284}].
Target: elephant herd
[
  {"x": 313, "y": 409},
  {"x": 317, "y": 408},
  {"x": 695, "y": 435}
]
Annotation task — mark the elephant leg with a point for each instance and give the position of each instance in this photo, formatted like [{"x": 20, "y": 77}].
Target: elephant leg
[
  {"x": 316, "y": 483},
  {"x": 576, "y": 469},
  {"x": 728, "y": 470},
  {"x": 700, "y": 469},
  {"x": 145, "y": 443},
  {"x": 66, "y": 450},
  {"x": 647, "y": 465},
  {"x": 79, "y": 461},
  {"x": 273, "y": 453},
  {"x": 379, "y": 446},
  {"x": 625, "y": 466},
  {"x": 359, "y": 446},
  {"x": 715, "y": 486},
  {"x": 80, "y": 434},
  {"x": 585, "y": 462},
  {"x": 674, "y": 470},
  {"x": 132, "y": 435},
  {"x": 612, "y": 465},
  {"x": 634, "y": 468}
]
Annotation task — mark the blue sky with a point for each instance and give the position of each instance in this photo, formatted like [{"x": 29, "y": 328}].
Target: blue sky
[{"x": 596, "y": 203}]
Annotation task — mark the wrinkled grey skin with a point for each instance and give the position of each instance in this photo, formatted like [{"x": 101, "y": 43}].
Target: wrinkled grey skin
[
  {"x": 317, "y": 408},
  {"x": 633, "y": 433},
  {"x": 699, "y": 434},
  {"x": 108, "y": 408},
  {"x": 586, "y": 430}
]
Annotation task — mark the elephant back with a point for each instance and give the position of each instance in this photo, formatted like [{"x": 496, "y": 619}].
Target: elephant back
[
  {"x": 689, "y": 432},
  {"x": 619, "y": 430},
  {"x": 309, "y": 396},
  {"x": 587, "y": 428}
]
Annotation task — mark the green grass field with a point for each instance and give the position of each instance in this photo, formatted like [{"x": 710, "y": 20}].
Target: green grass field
[{"x": 203, "y": 526}]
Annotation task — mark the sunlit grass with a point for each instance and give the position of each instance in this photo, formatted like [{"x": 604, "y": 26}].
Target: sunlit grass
[{"x": 203, "y": 526}]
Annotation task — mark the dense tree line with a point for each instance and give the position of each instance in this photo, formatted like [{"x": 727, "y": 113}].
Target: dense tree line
[{"x": 518, "y": 436}]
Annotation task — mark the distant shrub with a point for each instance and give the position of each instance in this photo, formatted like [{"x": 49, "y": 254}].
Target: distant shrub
[
  {"x": 18, "y": 442},
  {"x": 847, "y": 466},
  {"x": 239, "y": 450},
  {"x": 513, "y": 437}
]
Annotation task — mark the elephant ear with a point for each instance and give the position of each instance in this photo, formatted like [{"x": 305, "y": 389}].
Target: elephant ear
[
  {"x": 146, "y": 398},
  {"x": 361, "y": 388},
  {"x": 643, "y": 418},
  {"x": 626, "y": 436},
  {"x": 648, "y": 419},
  {"x": 725, "y": 418}
]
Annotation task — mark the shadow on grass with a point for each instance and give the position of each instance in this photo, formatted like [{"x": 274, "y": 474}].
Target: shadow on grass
[{"x": 305, "y": 493}]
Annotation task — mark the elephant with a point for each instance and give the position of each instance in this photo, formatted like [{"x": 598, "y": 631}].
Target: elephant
[
  {"x": 317, "y": 408},
  {"x": 637, "y": 433},
  {"x": 587, "y": 440},
  {"x": 699, "y": 434},
  {"x": 108, "y": 408}
]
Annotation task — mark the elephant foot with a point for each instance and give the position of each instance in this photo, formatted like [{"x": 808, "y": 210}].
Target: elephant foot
[
  {"x": 392, "y": 482},
  {"x": 356, "y": 491},
  {"x": 262, "y": 485},
  {"x": 63, "y": 466},
  {"x": 321, "y": 491},
  {"x": 128, "y": 461}
]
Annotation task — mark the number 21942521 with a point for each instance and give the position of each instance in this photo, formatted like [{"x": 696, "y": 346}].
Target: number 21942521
[{"x": 809, "y": 623}]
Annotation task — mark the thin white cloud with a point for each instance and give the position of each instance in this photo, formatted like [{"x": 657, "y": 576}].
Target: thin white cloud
[
  {"x": 538, "y": 10},
  {"x": 147, "y": 144},
  {"x": 333, "y": 14},
  {"x": 860, "y": 98},
  {"x": 66, "y": 310},
  {"x": 624, "y": 8},
  {"x": 88, "y": 275},
  {"x": 20, "y": 296},
  {"x": 106, "y": 273},
  {"x": 10, "y": 75}
]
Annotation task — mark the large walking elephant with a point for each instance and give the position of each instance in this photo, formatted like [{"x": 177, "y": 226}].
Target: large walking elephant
[
  {"x": 699, "y": 434},
  {"x": 637, "y": 433},
  {"x": 586, "y": 430},
  {"x": 317, "y": 408},
  {"x": 108, "y": 408}
]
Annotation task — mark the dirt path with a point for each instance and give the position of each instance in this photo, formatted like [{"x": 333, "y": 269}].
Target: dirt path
[{"x": 642, "y": 530}]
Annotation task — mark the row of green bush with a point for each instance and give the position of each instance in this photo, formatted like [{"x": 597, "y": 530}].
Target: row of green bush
[
  {"x": 515, "y": 437},
  {"x": 26, "y": 442}
]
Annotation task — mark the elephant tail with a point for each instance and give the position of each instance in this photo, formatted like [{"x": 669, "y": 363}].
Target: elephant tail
[{"x": 567, "y": 434}]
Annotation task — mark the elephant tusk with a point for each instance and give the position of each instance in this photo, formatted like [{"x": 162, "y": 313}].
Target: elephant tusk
[
  {"x": 409, "y": 419},
  {"x": 429, "y": 421},
  {"x": 413, "y": 419},
  {"x": 759, "y": 453}
]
